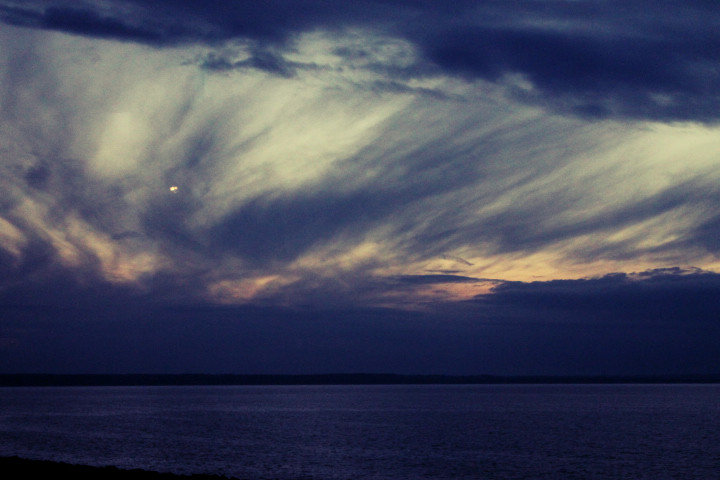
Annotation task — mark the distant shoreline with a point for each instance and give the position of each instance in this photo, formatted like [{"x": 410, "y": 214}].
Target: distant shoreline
[{"x": 38, "y": 380}]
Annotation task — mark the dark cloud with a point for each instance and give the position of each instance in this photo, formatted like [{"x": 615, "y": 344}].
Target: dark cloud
[
  {"x": 593, "y": 60},
  {"x": 707, "y": 234},
  {"x": 39, "y": 277},
  {"x": 37, "y": 176},
  {"x": 658, "y": 322},
  {"x": 671, "y": 294},
  {"x": 83, "y": 22},
  {"x": 170, "y": 22},
  {"x": 596, "y": 73},
  {"x": 87, "y": 22},
  {"x": 284, "y": 227}
]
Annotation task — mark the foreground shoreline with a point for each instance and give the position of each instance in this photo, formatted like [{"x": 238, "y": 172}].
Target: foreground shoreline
[
  {"x": 17, "y": 467},
  {"x": 37, "y": 380}
]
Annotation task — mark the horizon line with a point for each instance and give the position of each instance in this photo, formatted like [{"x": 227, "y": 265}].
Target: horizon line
[{"x": 210, "y": 379}]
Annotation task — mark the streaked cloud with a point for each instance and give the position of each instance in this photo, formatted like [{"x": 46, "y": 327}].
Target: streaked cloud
[
  {"x": 401, "y": 155},
  {"x": 593, "y": 60}
]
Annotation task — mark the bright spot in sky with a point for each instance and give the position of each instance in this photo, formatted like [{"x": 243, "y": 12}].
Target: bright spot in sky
[{"x": 174, "y": 189}]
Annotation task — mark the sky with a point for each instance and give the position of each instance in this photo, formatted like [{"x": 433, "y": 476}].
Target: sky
[{"x": 311, "y": 186}]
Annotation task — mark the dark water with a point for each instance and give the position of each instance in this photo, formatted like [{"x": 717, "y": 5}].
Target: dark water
[{"x": 375, "y": 432}]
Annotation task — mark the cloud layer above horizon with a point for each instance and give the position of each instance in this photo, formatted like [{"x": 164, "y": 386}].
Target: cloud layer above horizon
[{"x": 346, "y": 155}]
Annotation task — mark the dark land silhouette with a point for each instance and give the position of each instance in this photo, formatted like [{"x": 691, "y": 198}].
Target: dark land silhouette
[{"x": 30, "y": 380}]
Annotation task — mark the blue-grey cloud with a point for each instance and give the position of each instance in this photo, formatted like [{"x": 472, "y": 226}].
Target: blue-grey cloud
[
  {"x": 264, "y": 60},
  {"x": 443, "y": 177},
  {"x": 587, "y": 59},
  {"x": 522, "y": 226}
]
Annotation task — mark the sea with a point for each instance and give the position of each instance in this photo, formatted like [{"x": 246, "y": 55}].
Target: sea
[{"x": 374, "y": 432}]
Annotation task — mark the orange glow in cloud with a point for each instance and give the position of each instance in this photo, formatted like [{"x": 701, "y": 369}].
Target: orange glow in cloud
[
  {"x": 237, "y": 291},
  {"x": 11, "y": 239},
  {"x": 451, "y": 292}
]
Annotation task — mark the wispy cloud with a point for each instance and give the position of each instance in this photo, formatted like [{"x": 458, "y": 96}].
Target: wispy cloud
[
  {"x": 285, "y": 174},
  {"x": 593, "y": 60},
  {"x": 491, "y": 160}
]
